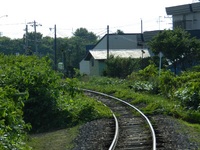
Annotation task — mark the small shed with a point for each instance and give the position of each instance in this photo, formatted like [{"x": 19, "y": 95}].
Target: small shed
[
  {"x": 96, "y": 58},
  {"x": 121, "y": 45}
]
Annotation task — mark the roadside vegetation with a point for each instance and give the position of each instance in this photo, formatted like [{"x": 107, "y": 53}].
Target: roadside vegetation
[
  {"x": 36, "y": 99},
  {"x": 167, "y": 94}
]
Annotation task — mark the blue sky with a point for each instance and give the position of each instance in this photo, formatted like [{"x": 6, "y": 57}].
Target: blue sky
[{"x": 93, "y": 15}]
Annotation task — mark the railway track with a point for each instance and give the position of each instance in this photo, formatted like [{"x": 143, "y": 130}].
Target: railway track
[{"x": 133, "y": 130}]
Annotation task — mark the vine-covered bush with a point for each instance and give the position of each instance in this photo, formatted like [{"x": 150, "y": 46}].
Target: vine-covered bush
[
  {"x": 188, "y": 91},
  {"x": 12, "y": 125},
  {"x": 184, "y": 87},
  {"x": 34, "y": 75},
  {"x": 33, "y": 96},
  {"x": 122, "y": 67},
  {"x": 145, "y": 80}
]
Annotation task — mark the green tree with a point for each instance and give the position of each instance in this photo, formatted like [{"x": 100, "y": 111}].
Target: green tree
[
  {"x": 177, "y": 46},
  {"x": 34, "y": 42},
  {"x": 9, "y": 46},
  {"x": 77, "y": 44}
]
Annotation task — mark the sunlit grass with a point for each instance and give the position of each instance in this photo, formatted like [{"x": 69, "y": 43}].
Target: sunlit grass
[
  {"x": 192, "y": 130},
  {"x": 56, "y": 140}
]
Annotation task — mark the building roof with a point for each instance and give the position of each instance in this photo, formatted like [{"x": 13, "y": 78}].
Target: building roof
[
  {"x": 120, "y": 41},
  {"x": 123, "y": 53},
  {"x": 148, "y": 35},
  {"x": 183, "y": 9}
]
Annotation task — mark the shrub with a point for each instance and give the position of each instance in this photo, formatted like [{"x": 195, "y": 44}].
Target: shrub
[
  {"x": 12, "y": 125},
  {"x": 189, "y": 90},
  {"x": 167, "y": 83},
  {"x": 121, "y": 67}
]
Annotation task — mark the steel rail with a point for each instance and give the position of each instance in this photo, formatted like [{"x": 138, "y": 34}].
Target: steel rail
[
  {"x": 144, "y": 116},
  {"x": 115, "y": 139}
]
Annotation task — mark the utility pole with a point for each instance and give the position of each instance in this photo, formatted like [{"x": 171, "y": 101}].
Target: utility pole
[
  {"x": 55, "y": 48},
  {"x": 35, "y": 24},
  {"x": 107, "y": 41},
  {"x": 159, "y": 21},
  {"x": 26, "y": 39},
  {"x": 141, "y": 26}
]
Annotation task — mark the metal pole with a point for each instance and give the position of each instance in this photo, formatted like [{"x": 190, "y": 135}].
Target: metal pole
[
  {"x": 108, "y": 42},
  {"x": 160, "y": 62},
  {"x": 35, "y": 41},
  {"x": 55, "y": 47},
  {"x": 26, "y": 40}
]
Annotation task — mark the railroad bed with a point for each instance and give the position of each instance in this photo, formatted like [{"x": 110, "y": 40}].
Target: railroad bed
[{"x": 134, "y": 131}]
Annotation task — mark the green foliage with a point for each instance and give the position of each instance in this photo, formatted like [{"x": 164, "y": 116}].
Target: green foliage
[
  {"x": 32, "y": 92},
  {"x": 145, "y": 80},
  {"x": 167, "y": 83},
  {"x": 73, "y": 47},
  {"x": 177, "y": 46},
  {"x": 35, "y": 76},
  {"x": 167, "y": 94},
  {"x": 9, "y": 46},
  {"x": 121, "y": 67},
  {"x": 146, "y": 74},
  {"x": 12, "y": 125},
  {"x": 188, "y": 91}
]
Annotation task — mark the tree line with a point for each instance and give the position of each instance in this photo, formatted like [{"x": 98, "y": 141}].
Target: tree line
[{"x": 73, "y": 48}]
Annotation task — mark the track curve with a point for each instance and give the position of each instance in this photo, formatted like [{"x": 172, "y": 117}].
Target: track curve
[{"x": 135, "y": 132}]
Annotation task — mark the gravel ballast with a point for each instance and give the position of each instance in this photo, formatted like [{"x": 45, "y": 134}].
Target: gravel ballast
[{"x": 172, "y": 135}]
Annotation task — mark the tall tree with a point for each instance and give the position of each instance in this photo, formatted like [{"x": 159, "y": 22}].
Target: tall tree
[
  {"x": 9, "y": 46},
  {"x": 77, "y": 44},
  {"x": 177, "y": 46}
]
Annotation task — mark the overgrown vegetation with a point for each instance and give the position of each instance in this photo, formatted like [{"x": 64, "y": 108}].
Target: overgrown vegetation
[
  {"x": 125, "y": 65},
  {"x": 178, "y": 96},
  {"x": 178, "y": 47},
  {"x": 34, "y": 98}
]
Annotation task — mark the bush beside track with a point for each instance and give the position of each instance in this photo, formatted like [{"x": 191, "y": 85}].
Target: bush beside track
[{"x": 35, "y": 98}]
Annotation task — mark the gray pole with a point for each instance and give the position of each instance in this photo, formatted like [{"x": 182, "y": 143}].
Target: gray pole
[
  {"x": 26, "y": 39},
  {"x": 36, "y": 49},
  {"x": 34, "y": 24},
  {"x": 108, "y": 42},
  {"x": 55, "y": 47},
  {"x": 160, "y": 62}
]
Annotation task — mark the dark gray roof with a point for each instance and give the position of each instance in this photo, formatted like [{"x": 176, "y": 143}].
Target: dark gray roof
[
  {"x": 196, "y": 7},
  {"x": 148, "y": 35},
  {"x": 120, "y": 41}
]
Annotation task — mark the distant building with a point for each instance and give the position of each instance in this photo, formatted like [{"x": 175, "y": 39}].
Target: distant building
[
  {"x": 122, "y": 45},
  {"x": 185, "y": 16}
]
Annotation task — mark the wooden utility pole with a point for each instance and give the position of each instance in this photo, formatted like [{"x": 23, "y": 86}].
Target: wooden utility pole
[
  {"x": 26, "y": 39},
  {"x": 35, "y": 24},
  {"x": 55, "y": 48},
  {"x": 108, "y": 42}
]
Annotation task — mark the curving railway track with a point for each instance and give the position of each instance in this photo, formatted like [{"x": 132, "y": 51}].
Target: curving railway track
[{"x": 131, "y": 129}]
